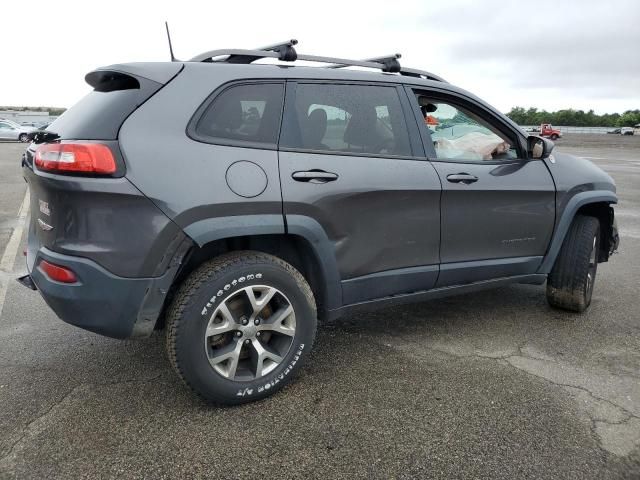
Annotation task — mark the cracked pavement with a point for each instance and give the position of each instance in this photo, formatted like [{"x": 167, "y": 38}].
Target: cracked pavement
[{"x": 489, "y": 385}]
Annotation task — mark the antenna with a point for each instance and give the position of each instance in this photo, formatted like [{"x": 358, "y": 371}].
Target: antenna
[{"x": 173, "y": 59}]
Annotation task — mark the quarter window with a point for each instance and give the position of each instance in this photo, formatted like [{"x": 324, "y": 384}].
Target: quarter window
[
  {"x": 359, "y": 119},
  {"x": 243, "y": 114}
]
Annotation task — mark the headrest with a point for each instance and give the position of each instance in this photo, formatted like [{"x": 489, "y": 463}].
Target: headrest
[
  {"x": 361, "y": 130},
  {"x": 315, "y": 128},
  {"x": 426, "y": 105}
]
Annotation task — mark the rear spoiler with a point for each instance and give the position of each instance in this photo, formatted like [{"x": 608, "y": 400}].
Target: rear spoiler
[{"x": 124, "y": 74}]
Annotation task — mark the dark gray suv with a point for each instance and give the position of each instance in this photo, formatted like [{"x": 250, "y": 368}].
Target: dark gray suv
[{"x": 235, "y": 203}]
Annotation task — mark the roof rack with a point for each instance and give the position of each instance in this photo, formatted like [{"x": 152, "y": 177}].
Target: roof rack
[
  {"x": 286, "y": 52},
  {"x": 393, "y": 65},
  {"x": 282, "y": 51},
  {"x": 412, "y": 72},
  {"x": 389, "y": 63}
]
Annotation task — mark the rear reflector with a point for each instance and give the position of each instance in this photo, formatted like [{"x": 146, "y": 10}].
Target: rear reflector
[
  {"x": 75, "y": 157},
  {"x": 57, "y": 273}
]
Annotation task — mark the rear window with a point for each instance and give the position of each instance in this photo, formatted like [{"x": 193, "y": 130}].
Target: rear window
[
  {"x": 99, "y": 115},
  {"x": 357, "y": 119},
  {"x": 243, "y": 115}
]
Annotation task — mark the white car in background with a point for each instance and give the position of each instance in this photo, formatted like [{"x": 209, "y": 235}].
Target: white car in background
[
  {"x": 10, "y": 130},
  {"x": 626, "y": 131}
]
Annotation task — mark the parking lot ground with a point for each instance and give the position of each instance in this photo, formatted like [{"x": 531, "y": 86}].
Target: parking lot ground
[{"x": 491, "y": 385}]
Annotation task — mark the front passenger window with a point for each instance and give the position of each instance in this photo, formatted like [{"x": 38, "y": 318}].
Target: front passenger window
[{"x": 460, "y": 135}]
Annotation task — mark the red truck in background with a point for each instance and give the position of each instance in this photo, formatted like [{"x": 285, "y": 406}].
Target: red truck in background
[{"x": 546, "y": 130}]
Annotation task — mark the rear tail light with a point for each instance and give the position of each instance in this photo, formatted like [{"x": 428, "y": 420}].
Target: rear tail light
[
  {"x": 57, "y": 273},
  {"x": 75, "y": 157}
]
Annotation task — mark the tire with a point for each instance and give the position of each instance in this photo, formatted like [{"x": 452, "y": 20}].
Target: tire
[
  {"x": 23, "y": 137},
  {"x": 554, "y": 137},
  {"x": 211, "y": 340},
  {"x": 570, "y": 283}
]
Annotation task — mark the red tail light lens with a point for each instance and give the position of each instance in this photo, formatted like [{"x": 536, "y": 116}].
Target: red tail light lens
[
  {"x": 75, "y": 157},
  {"x": 58, "y": 273}
]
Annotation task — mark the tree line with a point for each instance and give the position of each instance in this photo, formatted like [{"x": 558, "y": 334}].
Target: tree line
[
  {"x": 520, "y": 115},
  {"x": 576, "y": 118},
  {"x": 52, "y": 110}
]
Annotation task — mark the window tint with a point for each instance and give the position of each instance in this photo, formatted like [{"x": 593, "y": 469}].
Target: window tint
[
  {"x": 99, "y": 115},
  {"x": 460, "y": 135},
  {"x": 243, "y": 113},
  {"x": 346, "y": 118}
]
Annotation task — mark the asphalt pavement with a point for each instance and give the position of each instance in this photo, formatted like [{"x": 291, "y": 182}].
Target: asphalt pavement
[{"x": 490, "y": 385}]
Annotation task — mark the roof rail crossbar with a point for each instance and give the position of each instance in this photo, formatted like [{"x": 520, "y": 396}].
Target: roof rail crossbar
[
  {"x": 343, "y": 62},
  {"x": 389, "y": 63},
  {"x": 283, "y": 51}
]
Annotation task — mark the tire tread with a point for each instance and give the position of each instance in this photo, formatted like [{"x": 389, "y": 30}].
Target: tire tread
[
  {"x": 205, "y": 273},
  {"x": 567, "y": 279}
]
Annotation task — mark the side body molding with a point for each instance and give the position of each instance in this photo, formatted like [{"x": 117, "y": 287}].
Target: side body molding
[{"x": 566, "y": 217}]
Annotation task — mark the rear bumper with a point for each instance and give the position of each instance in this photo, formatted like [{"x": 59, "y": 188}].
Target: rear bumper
[{"x": 99, "y": 301}]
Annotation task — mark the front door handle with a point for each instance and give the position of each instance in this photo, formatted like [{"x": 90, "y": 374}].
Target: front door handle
[
  {"x": 314, "y": 176},
  {"x": 465, "y": 178}
]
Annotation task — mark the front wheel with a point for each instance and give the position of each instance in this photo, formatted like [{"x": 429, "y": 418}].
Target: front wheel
[
  {"x": 24, "y": 138},
  {"x": 554, "y": 137},
  {"x": 570, "y": 283},
  {"x": 240, "y": 326}
]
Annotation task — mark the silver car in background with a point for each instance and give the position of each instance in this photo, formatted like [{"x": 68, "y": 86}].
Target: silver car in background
[{"x": 10, "y": 130}]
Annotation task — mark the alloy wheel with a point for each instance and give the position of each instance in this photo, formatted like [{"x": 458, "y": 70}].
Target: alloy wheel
[{"x": 250, "y": 333}]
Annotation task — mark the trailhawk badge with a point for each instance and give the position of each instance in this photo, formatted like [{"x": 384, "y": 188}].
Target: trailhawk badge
[{"x": 44, "y": 226}]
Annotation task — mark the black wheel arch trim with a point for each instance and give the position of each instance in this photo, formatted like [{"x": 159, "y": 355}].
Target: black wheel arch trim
[
  {"x": 324, "y": 250},
  {"x": 218, "y": 228},
  {"x": 573, "y": 205}
]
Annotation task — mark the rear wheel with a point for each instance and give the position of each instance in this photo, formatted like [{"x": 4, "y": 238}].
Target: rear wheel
[
  {"x": 240, "y": 326},
  {"x": 570, "y": 283}
]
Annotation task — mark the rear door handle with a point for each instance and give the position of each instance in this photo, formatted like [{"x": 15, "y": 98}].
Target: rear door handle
[
  {"x": 314, "y": 176},
  {"x": 465, "y": 178}
]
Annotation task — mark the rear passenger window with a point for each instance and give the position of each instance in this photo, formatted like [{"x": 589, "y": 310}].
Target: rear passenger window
[
  {"x": 346, "y": 118},
  {"x": 243, "y": 115}
]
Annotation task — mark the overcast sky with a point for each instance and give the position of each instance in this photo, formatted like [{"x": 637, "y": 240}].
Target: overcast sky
[{"x": 578, "y": 54}]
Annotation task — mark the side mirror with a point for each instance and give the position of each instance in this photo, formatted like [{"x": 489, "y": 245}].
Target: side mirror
[{"x": 539, "y": 147}]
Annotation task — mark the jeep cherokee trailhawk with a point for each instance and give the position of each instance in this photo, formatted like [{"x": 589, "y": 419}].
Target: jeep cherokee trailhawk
[{"x": 235, "y": 203}]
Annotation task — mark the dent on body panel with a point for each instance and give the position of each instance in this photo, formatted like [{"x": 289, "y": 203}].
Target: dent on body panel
[
  {"x": 380, "y": 214},
  {"x": 89, "y": 215},
  {"x": 380, "y": 239}
]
